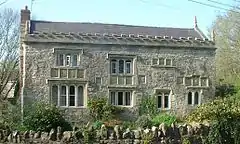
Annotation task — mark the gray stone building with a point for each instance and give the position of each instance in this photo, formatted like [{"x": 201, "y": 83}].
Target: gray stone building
[{"x": 67, "y": 63}]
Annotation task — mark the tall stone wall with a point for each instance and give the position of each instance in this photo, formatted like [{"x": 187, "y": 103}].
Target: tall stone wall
[
  {"x": 186, "y": 61},
  {"x": 156, "y": 135}
]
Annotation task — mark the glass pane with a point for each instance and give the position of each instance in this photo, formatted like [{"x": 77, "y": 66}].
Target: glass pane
[
  {"x": 55, "y": 95},
  {"x": 68, "y": 60},
  {"x": 128, "y": 98},
  {"x": 63, "y": 101},
  {"x": 168, "y": 62},
  {"x": 190, "y": 98},
  {"x": 98, "y": 80},
  {"x": 63, "y": 90},
  {"x": 121, "y": 80},
  {"x": 61, "y": 60},
  {"x": 188, "y": 81},
  {"x": 159, "y": 101},
  {"x": 129, "y": 80},
  {"x": 72, "y": 90},
  {"x": 112, "y": 98},
  {"x": 74, "y": 60},
  {"x": 128, "y": 66},
  {"x": 179, "y": 80},
  {"x": 71, "y": 100},
  {"x": 54, "y": 72},
  {"x": 161, "y": 61},
  {"x": 113, "y": 66},
  {"x": 154, "y": 61},
  {"x": 113, "y": 80},
  {"x": 203, "y": 81},
  {"x": 120, "y": 98},
  {"x": 195, "y": 81},
  {"x": 80, "y": 96},
  {"x": 80, "y": 73},
  {"x": 72, "y": 73},
  {"x": 142, "y": 80},
  {"x": 196, "y": 98},
  {"x": 63, "y": 73},
  {"x": 121, "y": 66},
  {"x": 166, "y": 101}
]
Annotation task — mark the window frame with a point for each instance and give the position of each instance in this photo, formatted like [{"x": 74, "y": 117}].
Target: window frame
[
  {"x": 115, "y": 102},
  {"x": 193, "y": 97},
  {"x": 162, "y": 94},
  {"x": 68, "y": 95},
  {"x": 61, "y": 59},
  {"x": 115, "y": 70}
]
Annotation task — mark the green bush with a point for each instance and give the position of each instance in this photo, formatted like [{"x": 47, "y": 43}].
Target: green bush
[
  {"x": 163, "y": 118},
  {"x": 97, "y": 124},
  {"x": 148, "y": 106},
  {"x": 44, "y": 117},
  {"x": 143, "y": 121},
  {"x": 100, "y": 109},
  {"x": 215, "y": 110}
]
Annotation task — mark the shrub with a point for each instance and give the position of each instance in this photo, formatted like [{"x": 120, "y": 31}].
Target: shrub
[
  {"x": 129, "y": 124},
  {"x": 44, "y": 117},
  {"x": 143, "y": 121},
  {"x": 97, "y": 124},
  {"x": 215, "y": 110},
  {"x": 148, "y": 106},
  {"x": 100, "y": 109},
  {"x": 164, "y": 118}
]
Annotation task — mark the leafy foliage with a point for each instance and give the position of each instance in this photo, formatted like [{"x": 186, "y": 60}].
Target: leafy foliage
[
  {"x": 44, "y": 117},
  {"x": 148, "y": 106},
  {"x": 143, "y": 121},
  {"x": 226, "y": 107},
  {"x": 224, "y": 90},
  {"x": 163, "y": 118},
  {"x": 100, "y": 109}
]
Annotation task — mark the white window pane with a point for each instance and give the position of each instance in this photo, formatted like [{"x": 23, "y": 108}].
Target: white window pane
[
  {"x": 55, "y": 94},
  {"x": 72, "y": 96},
  {"x": 190, "y": 98},
  {"x": 128, "y": 66},
  {"x": 166, "y": 101},
  {"x": 121, "y": 66},
  {"x": 196, "y": 98},
  {"x": 80, "y": 96},
  {"x": 74, "y": 60},
  {"x": 63, "y": 96},
  {"x": 112, "y": 98},
  {"x": 61, "y": 59},
  {"x": 159, "y": 98},
  {"x": 128, "y": 98},
  {"x": 68, "y": 60},
  {"x": 120, "y": 98},
  {"x": 113, "y": 66}
]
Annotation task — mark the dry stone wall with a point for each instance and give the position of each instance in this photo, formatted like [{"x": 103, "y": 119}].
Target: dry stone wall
[{"x": 175, "y": 134}]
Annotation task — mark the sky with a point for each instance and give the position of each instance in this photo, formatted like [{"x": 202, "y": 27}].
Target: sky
[{"x": 161, "y": 13}]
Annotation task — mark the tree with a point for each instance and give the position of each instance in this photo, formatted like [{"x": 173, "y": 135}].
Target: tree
[
  {"x": 227, "y": 37},
  {"x": 9, "y": 44}
]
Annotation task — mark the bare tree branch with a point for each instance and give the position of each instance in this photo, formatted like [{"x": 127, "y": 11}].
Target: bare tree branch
[{"x": 9, "y": 44}]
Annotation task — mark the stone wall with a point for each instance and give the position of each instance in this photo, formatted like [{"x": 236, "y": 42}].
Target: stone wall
[
  {"x": 187, "y": 61},
  {"x": 156, "y": 135}
]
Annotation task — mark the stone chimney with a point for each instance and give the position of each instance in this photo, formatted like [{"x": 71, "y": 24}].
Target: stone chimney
[{"x": 25, "y": 15}]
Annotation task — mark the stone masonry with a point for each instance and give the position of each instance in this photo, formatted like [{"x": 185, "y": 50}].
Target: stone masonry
[{"x": 178, "y": 65}]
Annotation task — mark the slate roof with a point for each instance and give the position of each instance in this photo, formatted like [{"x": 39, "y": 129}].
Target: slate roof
[
  {"x": 66, "y": 27},
  {"x": 114, "y": 34}
]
